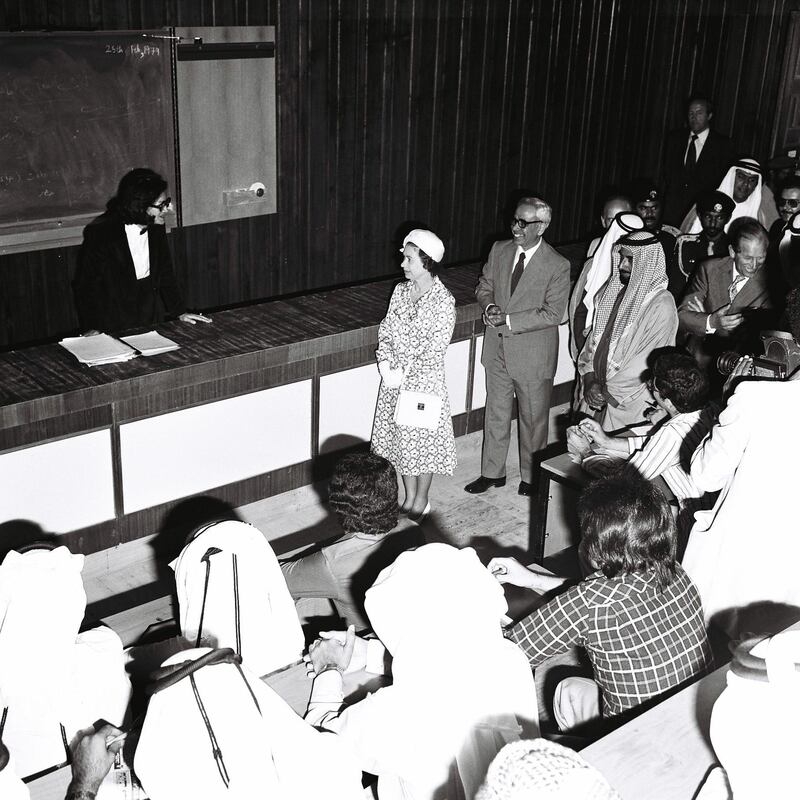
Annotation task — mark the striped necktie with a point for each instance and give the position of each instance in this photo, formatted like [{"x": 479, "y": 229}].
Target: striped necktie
[{"x": 734, "y": 288}]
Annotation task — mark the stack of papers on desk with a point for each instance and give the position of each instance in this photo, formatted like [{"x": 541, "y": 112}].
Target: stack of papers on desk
[
  {"x": 151, "y": 343},
  {"x": 98, "y": 349}
]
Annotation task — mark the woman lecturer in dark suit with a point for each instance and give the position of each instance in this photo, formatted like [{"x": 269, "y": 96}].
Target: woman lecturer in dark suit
[{"x": 125, "y": 278}]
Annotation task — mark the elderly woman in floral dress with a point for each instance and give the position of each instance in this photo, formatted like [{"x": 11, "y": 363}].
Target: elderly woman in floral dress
[{"x": 412, "y": 343}]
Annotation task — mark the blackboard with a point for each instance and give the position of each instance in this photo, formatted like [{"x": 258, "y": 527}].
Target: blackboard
[{"x": 77, "y": 111}]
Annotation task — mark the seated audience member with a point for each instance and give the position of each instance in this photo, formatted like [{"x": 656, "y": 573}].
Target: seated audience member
[
  {"x": 648, "y": 205},
  {"x": 363, "y": 495},
  {"x": 536, "y": 769},
  {"x": 743, "y": 553},
  {"x": 744, "y": 184},
  {"x": 92, "y": 755},
  {"x": 596, "y": 271},
  {"x": 754, "y": 722},
  {"x": 634, "y": 315},
  {"x": 680, "y": 389},
  {"x": 11, "y": 786},
  {"x": 638, "y": 616},
  {"x": 714, "y": 209},
  {"x": 783, "y": 257},
  {"x": 727, "y": 302},
  {"x": 459, "y": 688},
  {"x": 214, "y": 731},
  {"x": 54, "y": 679}
]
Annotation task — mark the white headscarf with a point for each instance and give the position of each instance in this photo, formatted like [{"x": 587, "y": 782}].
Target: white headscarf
[
  {"x": 623, "y": 223},
  {"x": 11, "y": 787},
  {"x": 648, "y": 278},
  {"x": 438, "y": 610},
  {"x": 50, "y": 675},
  {"x": 244, "y": 604},
  {"x": 747, "y": 208},
  {"x": 265, "y": 750},
  {"x": 754, "y": 724}
]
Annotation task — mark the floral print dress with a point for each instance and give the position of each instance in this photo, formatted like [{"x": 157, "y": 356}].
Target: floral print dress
[{"x": 415, "y": 336}]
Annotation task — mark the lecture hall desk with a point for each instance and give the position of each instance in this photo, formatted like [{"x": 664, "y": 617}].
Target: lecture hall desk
[{"x": 241, "y": 411}]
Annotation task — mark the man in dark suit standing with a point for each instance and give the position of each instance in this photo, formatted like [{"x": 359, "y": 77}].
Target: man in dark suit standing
[
  {"x": 523, "y": 292},
  {"x": 694, "y": 160}
]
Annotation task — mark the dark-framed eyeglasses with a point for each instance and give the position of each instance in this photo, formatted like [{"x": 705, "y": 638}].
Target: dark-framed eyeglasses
[
  {"x": 163, "y": 205},
  {"x": 651, "y": 386},
  {"x": 523, "y": 223},
  {"x": 788, "y": 201}
]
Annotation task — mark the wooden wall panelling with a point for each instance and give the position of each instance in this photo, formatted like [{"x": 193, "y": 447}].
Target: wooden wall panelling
[{"x": 787, "y": 128}]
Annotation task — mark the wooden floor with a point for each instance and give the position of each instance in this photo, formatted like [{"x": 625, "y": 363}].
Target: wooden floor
[
  {"x": 497, "y": 521},
  {"x": 128, "y": 589}
]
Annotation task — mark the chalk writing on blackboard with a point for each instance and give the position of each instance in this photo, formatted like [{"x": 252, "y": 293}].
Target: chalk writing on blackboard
[{"x": 77, "y": 110}]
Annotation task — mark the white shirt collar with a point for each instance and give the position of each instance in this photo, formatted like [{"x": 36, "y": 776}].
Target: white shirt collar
[
  {"x": 701, "y": 137},
  {"x": 736, "y": 274},
  {"x": 139, "y": 245},
  {"x": 528, "y": 253}
]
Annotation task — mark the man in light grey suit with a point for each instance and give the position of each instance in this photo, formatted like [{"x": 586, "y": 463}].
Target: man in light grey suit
[{"x": 523, "y": 291}]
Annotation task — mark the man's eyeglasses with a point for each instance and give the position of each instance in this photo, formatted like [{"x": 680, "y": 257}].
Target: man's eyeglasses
[
  {"x": 788, "y": 201},
  {"x": 162, "y": 206},
  {"x": 523, "y": 223}
]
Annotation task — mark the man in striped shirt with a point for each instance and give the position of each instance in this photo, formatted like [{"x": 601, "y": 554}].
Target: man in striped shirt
[
  {"x": 680, "y": 389},
  {"x": 638, "y": 616}
]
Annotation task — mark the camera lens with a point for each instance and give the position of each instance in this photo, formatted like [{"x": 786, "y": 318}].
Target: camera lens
[{"x": 726, "y": 362}]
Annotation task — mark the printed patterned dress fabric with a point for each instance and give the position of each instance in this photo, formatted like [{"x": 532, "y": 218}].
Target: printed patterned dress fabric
[{"x": 414, "y": 337}]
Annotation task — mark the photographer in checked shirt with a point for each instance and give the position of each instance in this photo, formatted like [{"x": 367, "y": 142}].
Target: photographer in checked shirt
[{"x": 638, "y": 615}]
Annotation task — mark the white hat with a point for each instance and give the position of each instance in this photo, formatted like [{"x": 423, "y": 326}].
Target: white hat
[{"x": 427, "y": 241}]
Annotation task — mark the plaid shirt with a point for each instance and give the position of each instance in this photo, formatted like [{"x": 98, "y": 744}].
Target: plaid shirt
[{"x": 641, "y": 642}]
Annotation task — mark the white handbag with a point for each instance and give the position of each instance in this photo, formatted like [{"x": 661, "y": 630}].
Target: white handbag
[{"x": 417, "y": 409}]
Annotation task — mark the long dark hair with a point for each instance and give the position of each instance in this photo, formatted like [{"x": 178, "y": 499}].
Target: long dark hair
[
  {"x": 627, "y": 527},
  {"x": 137, "y": 191}
]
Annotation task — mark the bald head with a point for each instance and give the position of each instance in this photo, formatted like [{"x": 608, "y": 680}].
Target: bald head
[{"x": 613, "y": 206}]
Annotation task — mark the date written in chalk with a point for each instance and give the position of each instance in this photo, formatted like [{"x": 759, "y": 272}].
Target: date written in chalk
[{"x": 135, "y": 50}]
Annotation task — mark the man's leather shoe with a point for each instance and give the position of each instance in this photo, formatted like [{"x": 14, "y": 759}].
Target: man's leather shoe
[
  {"x": 525, "y": 489},
  {"x": 481, "y": 484}
]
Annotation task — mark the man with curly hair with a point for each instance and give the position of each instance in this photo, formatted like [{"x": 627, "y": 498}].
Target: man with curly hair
[{"x": 363, "y": 496}]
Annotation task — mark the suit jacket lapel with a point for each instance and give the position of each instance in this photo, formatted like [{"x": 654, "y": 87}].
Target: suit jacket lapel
[
  {"x": 506, "y": 266},
  {"x": 718, "y": 293},
  {"x": 754, "y": 290},
  {"x": 533, "y": 267}
]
